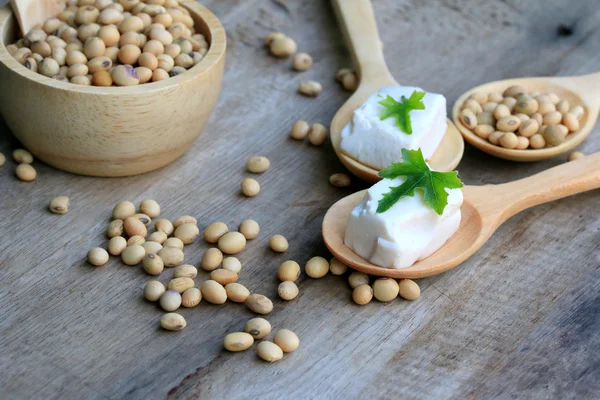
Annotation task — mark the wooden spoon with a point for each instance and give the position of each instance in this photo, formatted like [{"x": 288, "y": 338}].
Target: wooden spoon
[
  {"x": 484, "y": 209},
  {"x": 358, "y": 24},
  {"x": 577, "y": 90},
  {"x": 32, "y": 12}
]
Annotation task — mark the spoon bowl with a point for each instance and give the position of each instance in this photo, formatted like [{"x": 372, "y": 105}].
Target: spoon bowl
[
  {"x": 484, "y": 209},
  {"x": 578, "y": 90},
  {"x": 360, "y": 29}
]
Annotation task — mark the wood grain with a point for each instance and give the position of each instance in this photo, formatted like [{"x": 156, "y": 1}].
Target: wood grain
[{"x": 517, "y": 320}]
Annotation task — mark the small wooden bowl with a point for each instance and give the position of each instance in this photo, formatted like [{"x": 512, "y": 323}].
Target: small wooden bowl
[{"x": 111, "y": 131}]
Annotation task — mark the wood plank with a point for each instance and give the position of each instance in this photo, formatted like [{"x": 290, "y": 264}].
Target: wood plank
[{"x": 516, "y": 320}]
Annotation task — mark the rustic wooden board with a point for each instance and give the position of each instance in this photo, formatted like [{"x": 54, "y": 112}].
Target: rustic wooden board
[{"x": 518, "y": 320}]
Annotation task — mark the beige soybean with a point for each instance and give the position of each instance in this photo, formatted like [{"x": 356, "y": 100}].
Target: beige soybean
[
  {"x": 134, "y": 226},
  {"x": 282, "y": 46},
  {"x": 153, "y": 290},
  {"x": 269, "y": 351},
  {"x": 115, "y": 228},
  {"x": 350, "y": 82},
  {"x": 362, "y": 294},
  {"x": 258, "y": 164},
  {"x": 554, "y": 135},
  {"x": 571, "y": 122},
  {"x": 170, "y": 300},
  {"x": 357, "y": 278},
  {"x": 215, "y": 231},
  {"x": 232, "y": 243},
  {"x": 164, "y": 225},
  {"x": 158, "y": 237},
  {"x": 523, "y": 143},
  {"x": 237, "y": 292},
  {"x": 317, "y": 135},
  {"x": 483, "y": 131},
  {"x": 59, "y": 205},
  {"x": 185, "y": 271},
  {"x": 340, "y": 180},
  {"x": 133, "y": 254},
  {"x": 125, "y": 75},
  {"x": 408, "y": 289},
  {"x": 385, "y": 289},
  {"x": 150, "y": 207},
  {"x": 259, "y": 303},
  {"x": 316, "y": 267},
  {"x": 501, "y": 111},
  {"x": 468, "y": 118},
  {"x": 116, "y": 245},
  {"x": 287, "y": 340},
  {"x": 25, "y": 172},
  {"x": 173, "y": 242},
  {"x": 302, "y": 61},
  {"x": 136, "y": 239},
  {"x": 514, "y": 91},
  {"x": 213, "y": 292},
  {"x": 232, "y": 264},
  {"x": 249, "y": 228},
  {"x": 211, "y": 259},
  {"x": 278, "y": 243},
  {"x": 152, "y": 247},
  {"x": 2, "y": 159},
  {"x": 509, "y": 140},
  {"x": 552, "y": 118},
  {"x": 300, "y": 130},
  {"x": 288, "y": 271},
  {"x": 287, "y": 290},
  {"x": 173, "y": 322},
  {"x": 22, "y": 156},
  {"x": 336, "y": 267},
  {"x": 310, "y": 88},
  {"x": 259, "y": 328},
  {"x": 171, "y": 256},
  {"x": 187, "y": 232},
  {"x": 191, "y": 297},
  {"x": 529, "y": 128},
  {"x": 537, "y": 141},
  {"x": 153, "y": 264},
  {"x": 576, "y": 155},
  {"x": 238, "y": 341},
  {"x": 97, "y": 256},
  {"x": 526, "y": 104},
  {"x": 224, "y": 276},
  {"x": 180, "y": 284},
  {"x": 123, "y": 210},
  {"x": 250, "y": 187},
  {"x": 578, "y": 111},
  {"x": 489, "y": 106},
  {"x": 508, "y": 124}
]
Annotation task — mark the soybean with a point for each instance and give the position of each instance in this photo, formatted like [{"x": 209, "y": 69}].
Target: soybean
[
  {"x": 362, "y": 294},
  {"x": 180, "y": 284},
  {"x": 287, "y": 290},
  {"x": 25, "y": 172},
  {"x": 153, "y": 290},
  {"x": 250, "y": 187},
  {"x": 385, "y": 289},
  {"x": 232, "y": 264},
  {"x": 249, "y": 228},
  {"x": 187, "y": 232},
  {"x": 232, "y": 243},
  {"x": 258, "y": 327},
  {"x": 97, "y": 256},
  {"x": 214, "y": 231},
  {"x": 237, "y": 292},
  {"x": 408, "y": 289},
  {"x": 288, "y": 271},
  {"x": 211, "y": 259},
  {"x": 116, "y": 245},
  {"x": 278, "y": 243},
  {"x": 238, "y": 341},
  {"x": 59, "y": 205},
  {"x": 317, "y": 267},
  {"x": 213, "y": 292},
  {"x": 191, "y": 297},
  {"x": 173, "y": 322},
  {"x": 300, "y": 130},
  {"x": 153, "y": 264},
  {"x": 259, "y": 303},
  {"x": 171, "y": 256},
  {"x": 133, "y": 254},
  {"x": 170, "y": 300},
  {"x": 269, "y": 351},
  {"x": 287, "y": 340},
  {"x": 223, "y": 276},
  {"x": 258, "y": 164},
  {"x": 185, "y": 271}
]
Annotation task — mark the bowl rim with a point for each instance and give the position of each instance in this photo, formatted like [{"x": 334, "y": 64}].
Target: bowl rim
[{"x": 216, "y": 52}]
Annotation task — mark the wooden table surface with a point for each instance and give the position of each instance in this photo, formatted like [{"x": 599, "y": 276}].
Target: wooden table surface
[{"x": 520, "y": 319}]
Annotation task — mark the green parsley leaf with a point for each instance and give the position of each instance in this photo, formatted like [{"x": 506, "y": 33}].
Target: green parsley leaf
[
  {"x": 418, "y": 176},
  {"x": 401, "y": 109}
]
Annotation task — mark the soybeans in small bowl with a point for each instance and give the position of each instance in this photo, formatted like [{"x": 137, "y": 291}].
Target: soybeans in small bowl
[
  {"x": 527, "y": 119},
  {"x": 111, "y": 131}
]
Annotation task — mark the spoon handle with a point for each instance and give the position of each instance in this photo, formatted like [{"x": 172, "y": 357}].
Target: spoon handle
[
  {"x": 358, "y": 24},
  {"x": 555, "y": 183}
]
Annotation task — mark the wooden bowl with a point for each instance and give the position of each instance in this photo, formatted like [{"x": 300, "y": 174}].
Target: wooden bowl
[
  {"x": 573, "y": 89},
  {"x": 111, "y": 131}
]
